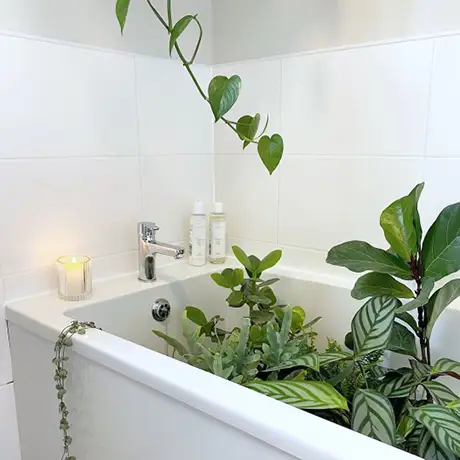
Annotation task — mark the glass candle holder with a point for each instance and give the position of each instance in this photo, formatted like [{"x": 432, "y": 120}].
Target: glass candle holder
[{"x": 74, "y": 277}]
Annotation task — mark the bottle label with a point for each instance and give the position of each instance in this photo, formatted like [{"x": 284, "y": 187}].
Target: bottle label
[
  {"x": 197, "y": 240},
  {"x": 218, "y": 237}
]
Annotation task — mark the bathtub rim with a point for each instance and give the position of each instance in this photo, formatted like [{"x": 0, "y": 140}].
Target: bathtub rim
[{"x": 279, "y": 425}]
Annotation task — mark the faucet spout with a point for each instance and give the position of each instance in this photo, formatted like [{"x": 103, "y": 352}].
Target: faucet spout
[{"x": 149, "y": 247}]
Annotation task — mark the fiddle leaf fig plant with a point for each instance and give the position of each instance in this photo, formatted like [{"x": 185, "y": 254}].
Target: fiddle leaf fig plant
[
  {"x": 406, "y": 407},
  {"x": 223, "y": 91}
]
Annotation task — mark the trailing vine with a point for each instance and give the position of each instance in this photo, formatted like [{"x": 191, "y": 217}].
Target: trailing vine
[{"x": 64, "y": 342}]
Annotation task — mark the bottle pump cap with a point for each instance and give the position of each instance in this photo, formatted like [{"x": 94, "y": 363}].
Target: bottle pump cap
[
  {"x": 218, "y": 208},
  {"x": 199, "y": 207}
]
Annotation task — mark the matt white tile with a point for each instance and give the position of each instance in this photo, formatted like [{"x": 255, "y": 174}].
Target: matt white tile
[
  {"x": 260, "y": 93},
  {"x": 249, "y": 195},
  {"x": 171, "y": 184},
  {"x": 64, "y": 206},
  {"x": 65, "y": 101},
  {"x": 173, "y": 117},
  {"x": 442, "y": 188},
  {"x": 443, "y": 133},
  {"x": 326, "y": 201},
  {"x": 366, "y": 101}
]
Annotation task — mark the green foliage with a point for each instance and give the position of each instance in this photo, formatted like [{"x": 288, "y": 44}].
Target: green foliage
[
  {"x": 378, "y": 284},
  {"x": 223, "y": 93},
  {"x": 121, "y": 10},
  {"x": 178, "y": 30},
  {"x": 440, "y": 300},
  {"x": 271, "y": 151}
]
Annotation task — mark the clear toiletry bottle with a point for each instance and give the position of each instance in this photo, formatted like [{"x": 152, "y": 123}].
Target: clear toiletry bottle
[
  {"x": 218, "y": 235},
  {"x": 197, "y": 236}
]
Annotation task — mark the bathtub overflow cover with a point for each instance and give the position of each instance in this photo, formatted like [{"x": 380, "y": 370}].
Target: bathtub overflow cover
[{"x": 161, "y": 309}]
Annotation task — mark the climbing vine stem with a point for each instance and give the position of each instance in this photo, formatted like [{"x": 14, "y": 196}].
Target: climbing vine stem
[{"x": 60, "y": 359}]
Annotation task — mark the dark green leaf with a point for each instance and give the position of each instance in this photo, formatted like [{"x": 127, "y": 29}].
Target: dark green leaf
[
  {"x": 271, "y": 151},
  {"x": 359, "y": 256},
  {"x": 178, "y": 29},
  {"x": 195, "y": 315},
  {"x": 441, "y": 248},
  {"x": 268, "y": 282},
  {"x": 219, "y": 280},
  {"x": 428, "y": 449},
  {"x": 122, "y": 8},
  {"x": 310, "y": 360},
  {"x": 397, "y": 222},
  {"x": 339, "y": 378},
  {"x": 349, "y": 341},
  {"x": 405, "y": 426},
  {"x": 235, "y": 299},
  {"x": 441, "y": 394},
  {"x": 421, "y": 370},
  {"x": 261, "y": 317},
  {"x": 268, "y": 293},
  {"x": 442, "y": 423},
  {"x": 223, "y": 93},
  {"x": 248, "y": 126},
  {"x": 375, "y": 284},
  {"x": 172, "y": 342},
  {"x": 333, "y": 356},
  {"x": 408, "y": 319},
  {"x": 415, "y": 194},
  {"x": 373, "y": 416},
  {"x": 304, "y": 395},
  {"x": 372, "y": 325},
  {"x": 398, "y": 384},
  {"x": 242, "y": 258},
  {"x": 441, "y": 299},
  {"x": 259, "y": 299},
  {"x": 229, "y": 278},
  {"x": 270, "y": 260},
  {"x": 422, "y": 299},
  {"x": 402, "y": 341},
  {"x": 255, "y": 263}
]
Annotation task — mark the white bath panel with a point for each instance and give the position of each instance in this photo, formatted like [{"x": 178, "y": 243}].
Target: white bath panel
[{"x": 9, "y": 440}]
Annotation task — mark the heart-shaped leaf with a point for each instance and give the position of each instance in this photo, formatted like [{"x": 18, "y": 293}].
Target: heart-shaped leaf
[
  {"x": 359, "y": 256},
  {"x": 441, "y": 248},
  {"x": 271, "y": 151},
  {"x": 178, "y": 29},
  {"x": 247, "y": 128},
  {"x": 375, "y": 284},
  {"x": 422, "y": 299},
  {"x": 440, "y": 300},
  {"x": 223, "y": 92},
  {"x": 402, "y": 341},
  {"x": 121, "y": 9},
  {"x": 397, "y": 222},
  {"x": 373, "y": 416},
  {"x": 442, "y": 423},
  {"x": 304, "y": 395},
  {"x": 372, "y": 325}
]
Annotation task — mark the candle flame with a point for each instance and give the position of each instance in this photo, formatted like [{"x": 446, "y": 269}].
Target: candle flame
[{"x": 74, "y": 260}]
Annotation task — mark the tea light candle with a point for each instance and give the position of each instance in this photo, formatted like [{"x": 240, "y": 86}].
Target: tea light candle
[{"x": 74, "y": 277}]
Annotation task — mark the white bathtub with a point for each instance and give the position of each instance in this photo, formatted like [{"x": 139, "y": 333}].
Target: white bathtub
[{"x": 129, "y": 402}]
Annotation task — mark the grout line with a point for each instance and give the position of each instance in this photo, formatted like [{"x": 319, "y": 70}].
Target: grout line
[
  {"x": 100, "y": 157},
  {"x": 345, "y": 157},
  {"x": 282, "y": 161}
]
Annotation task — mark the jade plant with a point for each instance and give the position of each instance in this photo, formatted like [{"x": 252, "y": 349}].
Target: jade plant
[{"x": 222, "y": 92}]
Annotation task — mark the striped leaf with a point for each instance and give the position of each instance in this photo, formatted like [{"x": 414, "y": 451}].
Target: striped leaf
[
  {"x": 440, "y": 300},
  {"x": 430, "y": 450},
  {"x": 406, "y": 426},
  {"x": 454, "y": 405},
  {"x": 421, "y": 370},
  {"x": 413, "y": 440},
  {"x": 442, "y": 423},
  {"x": 304, "y": 395},
  {"x": 372, "y": 325},
  {"x": 311, "y": 360},
  {"x": 402, "y": 341},
  {"x": 441, "y": 393},
  {"x": 397, "y": 384},
  {"x": 333, "y": 356},
  {"x": 446, "y": 366},
  {"x": 373, "y": 416}
]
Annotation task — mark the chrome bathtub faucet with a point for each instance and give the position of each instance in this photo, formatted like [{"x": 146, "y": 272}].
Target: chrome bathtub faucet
[{"x": 149, "y": 247}]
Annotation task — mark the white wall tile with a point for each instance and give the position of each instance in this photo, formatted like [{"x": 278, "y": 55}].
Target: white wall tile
[
  {"x": 61, "y": 101},
  {"x": 325, "y": 201},
  {"x": 249, "y": 195},
  {"x": 261, "y": 93},
  {"x": 170, "y": 186},
  {"x": 366, "y": 101},
  {"x": 173, "y": 117},
  {"x": 67, "y": 206},
  {"x": 443, "y": 134}
]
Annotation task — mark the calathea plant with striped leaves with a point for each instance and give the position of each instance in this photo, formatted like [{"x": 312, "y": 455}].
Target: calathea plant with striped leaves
[{"x": 409, "y": 407}]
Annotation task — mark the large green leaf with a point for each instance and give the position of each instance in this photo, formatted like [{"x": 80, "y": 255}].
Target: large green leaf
[
  {"x": 195, "y": 315},
  {"x": 271, "y": 151},
  {"x": 402, "y": 341},
  {"x": 311, "y": 360},
  {"x": 247, "y": 127},
  {"x": 172, "y": 342},
  {"x": 121, "y": 9},
  {"x": 454, "y": 405},
  {"x": 421, "y": 370},
  {"x": 372, "y": 325},
  {"x": 223, "y": 92},
  {"x": 408, "y": 319},
  {"x": 397, "y": 222},
  {"x": 242, "y": 257},
  {"x": 430, "y": 450},
  {"x": 229, "y": 278},
  {"x": 441, "y": 248},
  {"x": 397, "y": 384},
  {"x": 405, "y": 426},
  {"x": 270, "y": 260},
  {"x": 304, "y": 395},
  {"x": 375, "y": 284},
  {"x": 415, "y": 194},
  {"x": 178, "y": 30},
  {"x": 440, "y": 300},
  {"x": 359, "y": 256},
  {"x": 422, "y": 299},
  {"x": 446, "y": 366},
  {"x": 441, "y": 394},
  {"x": 333, "y": 356},
  {"x": 442, "y": 423},
  {"x": 373, "y": 416}
]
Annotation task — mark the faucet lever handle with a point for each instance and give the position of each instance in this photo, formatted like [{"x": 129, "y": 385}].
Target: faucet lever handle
[{"x": 147, "y": 229}]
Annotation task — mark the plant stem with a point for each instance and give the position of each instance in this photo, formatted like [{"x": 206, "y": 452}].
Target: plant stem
[{"x": 363, "y": 372}]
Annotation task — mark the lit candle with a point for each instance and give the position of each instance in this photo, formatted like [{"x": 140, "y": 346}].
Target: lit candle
[{"x": 74, "y": 277}]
